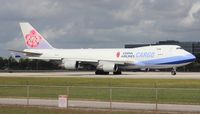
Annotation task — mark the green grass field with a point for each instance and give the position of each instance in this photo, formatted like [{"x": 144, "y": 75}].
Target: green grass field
[
  {"x": 114, "y": 82},
  {"x": 129, "y": 90}
]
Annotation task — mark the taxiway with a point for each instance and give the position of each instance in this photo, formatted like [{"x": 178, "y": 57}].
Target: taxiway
[{"x": 136, "y": 75}]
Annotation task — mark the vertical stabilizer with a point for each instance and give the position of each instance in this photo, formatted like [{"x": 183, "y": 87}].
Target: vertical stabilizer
[{"x": 33, "y": 39}]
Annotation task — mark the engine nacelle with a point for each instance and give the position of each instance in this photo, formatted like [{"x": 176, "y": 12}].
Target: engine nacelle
[
  {"x": 107, "y": 66},
  {"x": 69, "y": 64}
]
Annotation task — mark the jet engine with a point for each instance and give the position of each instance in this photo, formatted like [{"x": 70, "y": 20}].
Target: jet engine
[
  {"x": 107, "y": 66},
  {"x": 69, "y": 64}
]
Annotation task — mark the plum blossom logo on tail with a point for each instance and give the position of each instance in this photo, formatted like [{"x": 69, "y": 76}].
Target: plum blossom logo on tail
[
  {"x": 118, "y": 54},
  {"x": 33, "y": 39}
]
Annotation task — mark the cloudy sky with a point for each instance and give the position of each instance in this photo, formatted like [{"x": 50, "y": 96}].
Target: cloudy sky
[{"x": 99, "y": 23}]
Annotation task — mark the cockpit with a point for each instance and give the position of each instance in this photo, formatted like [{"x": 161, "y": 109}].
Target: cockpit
[{"x": 179, "y": 48}]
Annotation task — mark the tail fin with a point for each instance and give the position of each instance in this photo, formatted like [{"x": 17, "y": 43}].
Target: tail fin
[{"x": 32, "y": 38}]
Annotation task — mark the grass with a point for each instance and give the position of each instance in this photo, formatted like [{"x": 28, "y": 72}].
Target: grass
[
  {"x": 130, "y": 90},
  {"x": 114, "y": 82}
]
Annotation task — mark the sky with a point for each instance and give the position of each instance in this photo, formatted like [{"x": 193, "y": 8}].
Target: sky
[{"x": 99, "y": 23}]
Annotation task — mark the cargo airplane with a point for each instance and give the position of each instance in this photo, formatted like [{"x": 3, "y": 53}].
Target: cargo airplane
[{"x": 105, "y": 60}]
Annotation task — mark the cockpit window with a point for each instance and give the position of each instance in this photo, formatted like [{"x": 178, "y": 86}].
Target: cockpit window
[{"x": 179, "y": 48}]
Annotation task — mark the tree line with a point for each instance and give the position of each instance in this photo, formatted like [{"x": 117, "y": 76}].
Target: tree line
[{"x": 12, "y": 63}]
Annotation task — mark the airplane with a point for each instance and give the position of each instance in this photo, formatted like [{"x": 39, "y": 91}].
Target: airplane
[{"x": 105, "y": 60}]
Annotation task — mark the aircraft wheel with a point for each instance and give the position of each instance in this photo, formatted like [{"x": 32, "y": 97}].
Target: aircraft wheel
[
  {"x": 101, "y": 72},
  {"x": 117, "y": 73},
  {"x": 173, "y": 71}
]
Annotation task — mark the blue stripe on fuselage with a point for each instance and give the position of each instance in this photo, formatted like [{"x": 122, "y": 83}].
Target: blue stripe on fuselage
[
  {"x": 178, "y": 62},
  {"x": 170, "y": 60}
]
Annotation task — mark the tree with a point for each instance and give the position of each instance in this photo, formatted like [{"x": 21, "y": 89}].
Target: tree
[
  {"x": 24, "y": 64},
  {"x": 2, "y": 64},
  {"x": 12, "y": 63}
]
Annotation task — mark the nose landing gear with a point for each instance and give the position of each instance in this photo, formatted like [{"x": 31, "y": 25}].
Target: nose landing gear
[{"x": 173, "y": 72}]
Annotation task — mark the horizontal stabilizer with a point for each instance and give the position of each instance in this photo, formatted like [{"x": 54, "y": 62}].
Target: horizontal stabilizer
[{"x": 27, "y": 53}]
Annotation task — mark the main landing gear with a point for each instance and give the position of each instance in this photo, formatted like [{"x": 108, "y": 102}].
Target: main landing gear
[
  {"x": 173, "y": 72},
  {"x": 101, "y": 72},
  {"x": 117, "y": 72}
]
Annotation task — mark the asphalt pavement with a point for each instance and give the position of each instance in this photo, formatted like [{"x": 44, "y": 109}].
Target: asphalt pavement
[
  {"x": 136, "y": 75},
  {"x": 101, "y": 105}
]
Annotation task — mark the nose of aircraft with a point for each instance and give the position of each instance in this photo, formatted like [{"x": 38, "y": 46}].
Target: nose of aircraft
[{"x": 190, "y": 57}]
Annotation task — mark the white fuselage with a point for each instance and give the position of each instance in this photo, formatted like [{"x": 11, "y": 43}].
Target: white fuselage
[{"x": 155, "y": 57}]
